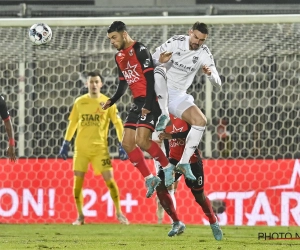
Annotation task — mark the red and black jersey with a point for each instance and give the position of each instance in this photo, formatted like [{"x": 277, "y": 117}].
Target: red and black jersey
[
  {"x": 3, "y": 109},
  {"x": 176, "y": 145},
  {"x": 135, "y": 66}
]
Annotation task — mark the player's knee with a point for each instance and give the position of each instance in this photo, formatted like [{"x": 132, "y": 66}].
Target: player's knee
[
  {"x": 142, "y": 143},
  {"x": 199, "y": 121},
  {"x": 127, "y": 147}
]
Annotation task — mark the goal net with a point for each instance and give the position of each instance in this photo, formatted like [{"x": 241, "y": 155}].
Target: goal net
[{"x": 255, "y": 115}]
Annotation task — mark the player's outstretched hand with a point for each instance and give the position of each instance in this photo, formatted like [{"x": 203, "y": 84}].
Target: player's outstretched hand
[
  {"x": 165, "y": 56},
  {"x": 64, "y": 150},
  {"x": 122, "y": 153},
  {"x": 106, "y": 105},
  {"x": 206, "y": 70},
  {"x": 163, "y": 136},
  {"x": 11, "y": 153}
]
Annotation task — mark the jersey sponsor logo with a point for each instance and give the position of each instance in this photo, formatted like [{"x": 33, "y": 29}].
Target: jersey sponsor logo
[
  {"x": 176, "y": 142},
  {"x": 182, "y": 67},
  {"x": 177, "y": 53},
  {"x": 195, "y": 59},
  {"x": 142, "y": 48},
  {"x": 90, "y": 120},
  {"x": 130, "y": 74}
]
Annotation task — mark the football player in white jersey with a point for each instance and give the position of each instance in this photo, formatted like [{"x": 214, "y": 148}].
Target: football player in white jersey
[{"x": 177, "y": 62}]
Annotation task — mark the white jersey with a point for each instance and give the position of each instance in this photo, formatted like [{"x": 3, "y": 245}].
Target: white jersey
[{"x": 185, "y": 63}]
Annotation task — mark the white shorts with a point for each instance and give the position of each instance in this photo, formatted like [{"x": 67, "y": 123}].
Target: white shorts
[{"x": 179, "y": 101}]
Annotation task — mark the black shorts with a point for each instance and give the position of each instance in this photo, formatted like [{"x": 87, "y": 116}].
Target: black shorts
[
  {"x": 134, "y": 118},
  {"x": 197, "y": 169}
]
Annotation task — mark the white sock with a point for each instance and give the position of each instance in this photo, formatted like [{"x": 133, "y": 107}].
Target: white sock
[
  {"x": 161, "y": 89},
  {"x": 172, "y": 194},
  {"x": 191, "y": 144}
]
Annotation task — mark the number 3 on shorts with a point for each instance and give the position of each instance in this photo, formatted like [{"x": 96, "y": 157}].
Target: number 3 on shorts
[{"x": 143, "y": 118}]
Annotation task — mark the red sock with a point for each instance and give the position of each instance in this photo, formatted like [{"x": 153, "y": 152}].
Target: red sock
[
  {"x": 167, "y": 203},
  {"x": 207, "y": 209},
  {"x": 137, "y": 158},
  {"x": 156, "y": 153}
]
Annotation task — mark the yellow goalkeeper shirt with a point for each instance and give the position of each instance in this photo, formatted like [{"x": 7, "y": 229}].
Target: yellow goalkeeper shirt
[{"x": 92, "y": 122}]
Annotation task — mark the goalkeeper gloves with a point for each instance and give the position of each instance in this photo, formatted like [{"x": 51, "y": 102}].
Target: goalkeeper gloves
[
  {"x": 64, "y": 150},
  {"x": 122, "y": 153}
]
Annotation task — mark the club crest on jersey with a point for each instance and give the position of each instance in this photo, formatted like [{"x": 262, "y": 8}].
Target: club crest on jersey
[
  {"x": 195, "y": 59},
  {"x": 131, "y": 52}
]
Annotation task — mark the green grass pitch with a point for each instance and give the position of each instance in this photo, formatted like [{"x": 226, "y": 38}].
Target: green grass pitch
[{"x": 154, "y": 237}]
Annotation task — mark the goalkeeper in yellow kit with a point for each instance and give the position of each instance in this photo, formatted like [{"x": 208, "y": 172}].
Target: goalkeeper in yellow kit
[{"x": 91, "y": 143}]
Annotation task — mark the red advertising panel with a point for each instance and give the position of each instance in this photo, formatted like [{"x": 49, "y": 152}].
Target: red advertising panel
[{"x": 243, "y": 192}]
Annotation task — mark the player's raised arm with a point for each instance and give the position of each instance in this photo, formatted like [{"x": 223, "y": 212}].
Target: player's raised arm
[
  {"x": 9, "y": 130},
  {"x": 122, "y": 87},
  {"x": 209, "y": 68}
]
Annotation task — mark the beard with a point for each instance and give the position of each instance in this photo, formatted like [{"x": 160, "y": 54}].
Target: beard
[
  {"x": 194, "y": 46},
  {"x": 122, "y": 46}
]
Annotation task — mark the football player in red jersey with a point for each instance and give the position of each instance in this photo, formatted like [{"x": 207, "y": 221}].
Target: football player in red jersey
[
  {"x": 136, "y": 70},
  {"x": 176, "y": 133}
]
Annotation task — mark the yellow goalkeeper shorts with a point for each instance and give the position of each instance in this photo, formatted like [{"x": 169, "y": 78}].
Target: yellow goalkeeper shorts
[{"x": 97, "y": 156}]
